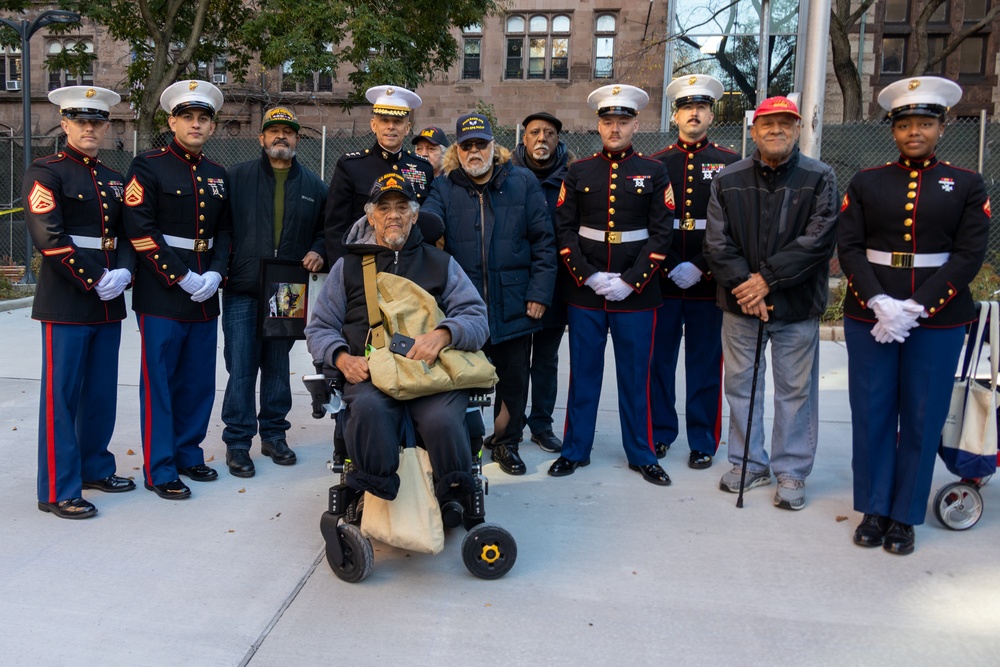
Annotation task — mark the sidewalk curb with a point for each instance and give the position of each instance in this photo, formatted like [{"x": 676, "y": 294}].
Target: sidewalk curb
[
  {"x": 14, "y": 304},
  {"x": 832, "y": 333}
]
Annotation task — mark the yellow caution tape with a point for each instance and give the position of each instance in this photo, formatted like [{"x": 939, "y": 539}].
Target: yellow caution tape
[{"x": 11, "y": 210}]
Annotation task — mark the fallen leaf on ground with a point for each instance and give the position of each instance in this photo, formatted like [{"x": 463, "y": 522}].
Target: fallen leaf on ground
[
  {"x": 243, "y": 490},
  {"x": 840, "y": 518},
  {"x": 129, "y": 452}
]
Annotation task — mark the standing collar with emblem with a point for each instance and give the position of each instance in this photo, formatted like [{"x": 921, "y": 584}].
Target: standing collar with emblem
[
  {"x": 926, "y": 163},
  {"x": 697, "y": 146},
  {"x": 182, "y": 153},
  {"x": 83, "y": 158},
  {"x": 618, "y": 155},
  {"x": 379, "y": 149}
]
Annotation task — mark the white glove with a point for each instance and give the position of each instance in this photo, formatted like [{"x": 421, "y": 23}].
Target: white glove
[
  {"x": 208, "y": 288},
  {"x": 685, "y": 275},
  {"x": 914, "y": 309},
  {"x": 894, "y": 318},
  {"x": 113, "y": 283},
  {"x": 883, "y": 335},
  {"x": 192, "y": 282},
  {"x": 617, "y": 290},
  {"x": 599, "y": 281}
]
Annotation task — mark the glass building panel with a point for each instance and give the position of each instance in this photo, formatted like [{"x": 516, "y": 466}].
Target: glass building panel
[
  {"x": 536, "y": 58},
  {"x": 538, "y": 24},
  {"x": 559, "y": 62},
  {"x": 560, "y": 23},
  {"x": 971, "y": 56},
  {"x": 515, "y": 48},
  {"x": 893, "y": 55}
]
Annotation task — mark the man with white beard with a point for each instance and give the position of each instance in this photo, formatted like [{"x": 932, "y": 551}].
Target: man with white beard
[
  {"x": 277, "y": 211},
  {"x": 497, "y": 227}
]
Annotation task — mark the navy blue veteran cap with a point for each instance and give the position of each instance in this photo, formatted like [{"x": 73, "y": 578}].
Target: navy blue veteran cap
[
  {"x": 920, "y": 96},
  {"x": 392, "y": 182},
  {"x": 85, "y": 102},
  {"x": 191, "y": 94},
  {"x": 434, "y": 135},
  {"x": 473, "y": 126}
]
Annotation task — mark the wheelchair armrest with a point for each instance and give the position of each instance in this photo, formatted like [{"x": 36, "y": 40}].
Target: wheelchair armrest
[{"x": 322, "y": 386}]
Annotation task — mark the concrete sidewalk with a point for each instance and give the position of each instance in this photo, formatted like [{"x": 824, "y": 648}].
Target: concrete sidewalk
[{"x": 611, "y": 570}]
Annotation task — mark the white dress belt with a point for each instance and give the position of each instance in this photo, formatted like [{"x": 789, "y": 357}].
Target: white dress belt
[
  {"x": 688, "y": 224},
  {"x": 93, "y": 242},
  {"x": 614, "y": 237},
  {"x": 907, "y": 260},
  {"x": 198, "y": 245}
]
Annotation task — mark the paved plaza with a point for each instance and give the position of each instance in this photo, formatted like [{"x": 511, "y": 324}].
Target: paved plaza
[{"x": 611, "y": 570}]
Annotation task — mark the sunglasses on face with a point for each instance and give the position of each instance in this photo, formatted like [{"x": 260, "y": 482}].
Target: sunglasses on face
[{"x": 478, "y": 144}]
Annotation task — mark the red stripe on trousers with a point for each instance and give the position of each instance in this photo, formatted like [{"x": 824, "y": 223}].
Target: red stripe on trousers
[{"x": 50, "y": 419}]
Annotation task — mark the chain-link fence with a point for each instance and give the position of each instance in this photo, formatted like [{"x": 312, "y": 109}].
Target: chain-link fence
[{"x": 847, "y": 148}]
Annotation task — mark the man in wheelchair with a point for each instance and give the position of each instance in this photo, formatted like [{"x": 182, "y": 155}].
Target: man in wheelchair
[{"x": 373, "y": 422}]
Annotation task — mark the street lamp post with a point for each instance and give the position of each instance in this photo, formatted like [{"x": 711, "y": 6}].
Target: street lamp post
[{"x": 25, "y": 29}]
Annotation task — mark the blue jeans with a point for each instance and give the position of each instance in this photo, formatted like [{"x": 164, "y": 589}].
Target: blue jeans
[
  {"x": 795, "y": 349},
  {"x": 244, "y": 356}
]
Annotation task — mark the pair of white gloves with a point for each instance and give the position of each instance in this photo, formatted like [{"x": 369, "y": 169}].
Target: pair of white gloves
[
  {"x": 609, "y": 285},
  {"x": 685, "y": 275},
  {"x": 112, "y": 283},
  {"x": 895, "y": 317},
  {"x": 200, "y": 286}
]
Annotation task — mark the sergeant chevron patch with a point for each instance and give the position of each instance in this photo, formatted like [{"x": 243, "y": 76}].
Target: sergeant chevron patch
[
  {"x": 133, "y": 193},
  {"x": 40, "y": 199}
]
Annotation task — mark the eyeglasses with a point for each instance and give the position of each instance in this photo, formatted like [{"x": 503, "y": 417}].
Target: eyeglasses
[{"x": 478, "y": 144}]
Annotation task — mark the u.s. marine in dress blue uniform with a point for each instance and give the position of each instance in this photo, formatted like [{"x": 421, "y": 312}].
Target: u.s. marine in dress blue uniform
[
  {"x": 177, "y": 217},
  {"x": 690, "y": 312},
  {"x": 356, "y": 172},
  {"x": 613, "y": 222},
  {"x": 73, "y": 205},
  {"x": 914, "y": 233}
]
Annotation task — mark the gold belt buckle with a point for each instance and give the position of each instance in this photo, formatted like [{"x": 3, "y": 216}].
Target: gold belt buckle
[
  {"x": 614, "y": 237},
  {"x": 687, "y": 224},
  {"x": 902, "y": 260},
  {"x": 200, "y": 245},
  {"x": 107, "y": 243}
]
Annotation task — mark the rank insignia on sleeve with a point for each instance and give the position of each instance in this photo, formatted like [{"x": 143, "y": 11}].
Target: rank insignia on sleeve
[
  {"x": 562, "y": 195},
  {"x": 40, "y": 199},
  {"x": 133, "y": 193},
  {"x": 986, "y": 208},
  {"x": 145, "y": 244},
  {"x": 668, "y": 197},
  {"x": 845, "y": 203}
]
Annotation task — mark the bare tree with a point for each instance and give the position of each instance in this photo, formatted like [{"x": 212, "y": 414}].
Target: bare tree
[
  {"x": 841, "y": 21},
  {"x": 923, "y": 62}
]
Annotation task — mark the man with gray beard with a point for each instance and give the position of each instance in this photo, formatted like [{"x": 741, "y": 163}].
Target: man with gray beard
[
  {"x": 277, "y": 211},
  {"x": 497, "y": 227}
]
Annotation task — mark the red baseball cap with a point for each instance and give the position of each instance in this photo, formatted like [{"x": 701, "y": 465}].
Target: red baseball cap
[{"x": 773, "y": 105}]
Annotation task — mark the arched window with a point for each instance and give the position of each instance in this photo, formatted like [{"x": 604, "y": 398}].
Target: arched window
[{"x": 547, "y": 47}]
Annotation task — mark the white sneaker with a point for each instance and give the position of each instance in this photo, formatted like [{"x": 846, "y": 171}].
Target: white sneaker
[
  {"x": 791, "y": 493},
  {"x": 731, "y": 480}
]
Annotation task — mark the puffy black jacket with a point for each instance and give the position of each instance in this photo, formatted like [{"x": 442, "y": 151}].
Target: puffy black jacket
[
  {"x": 779, "y": 222},
  {"x": 251, "y": 202},
  {"x": 502, "y": 238}
]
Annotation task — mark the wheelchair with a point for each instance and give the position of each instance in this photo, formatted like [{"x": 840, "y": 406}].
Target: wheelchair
[{"x": 488, "y": 550}]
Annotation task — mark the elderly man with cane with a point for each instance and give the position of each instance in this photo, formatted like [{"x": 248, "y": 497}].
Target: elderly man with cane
[{"x": 770, "y": 233}]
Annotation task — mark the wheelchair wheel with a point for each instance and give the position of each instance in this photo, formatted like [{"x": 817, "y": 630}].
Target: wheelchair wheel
[
  {"x": 489, "y": 551},
  {"x": 958, "y": 506},
  {"x": 358, "y": 556}
]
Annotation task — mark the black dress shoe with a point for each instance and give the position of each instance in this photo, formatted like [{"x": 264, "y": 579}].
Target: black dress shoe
[
  {"x": 653, "y": 474},
  {"x": 509, "y": 460},
  {"x": 199, "y": 473},
  {"x": 562, "y": 466},
  {"x": 239, "y": 462},
  {"x": 173, "y": 490},
  {"x": 279, "y": 452},
  {"x": 73, "y": 508},
  {"x": 699, "y": 460},
  {"x": 871, "y": 530},
  {"x": 547, "y": 442},
  {"x": 111, "y": 484},
  {"x": 899, "y": 538},
  {"x": 661, "y": 449}
]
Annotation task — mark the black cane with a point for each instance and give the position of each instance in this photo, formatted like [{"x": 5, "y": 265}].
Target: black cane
[{"x": 753, "y": 391}]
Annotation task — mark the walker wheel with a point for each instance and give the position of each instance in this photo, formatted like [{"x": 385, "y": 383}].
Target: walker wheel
[
  {"x": 489, "y": 551},
  {"x": 958, "y": 506},
  {"x": 358, "y": 556}
]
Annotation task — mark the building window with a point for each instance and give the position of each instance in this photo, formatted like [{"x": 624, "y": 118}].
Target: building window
[
  {"x": 896, "y": 11},
  {"x": 63, "y": 77},
  {"x": 935, "y": 45},
  {"x": 10, "y": 69},
  {"x": 940, "y": 14},
  {"x": 604, "y": 46},
  {"x": 972, "y": 56},
  {"x": 975, "y": 9},
  {"x": 472, "y": 52},
  {"x": 893, "y": 55},
  {"x": 548, "y": 46}
]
